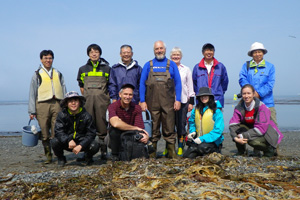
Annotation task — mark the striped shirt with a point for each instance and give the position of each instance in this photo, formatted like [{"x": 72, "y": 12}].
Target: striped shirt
[{"x": 132, "y": 116}]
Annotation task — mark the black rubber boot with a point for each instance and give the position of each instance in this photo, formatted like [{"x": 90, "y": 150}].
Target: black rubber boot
[
  {"x": 241, "y": 149},
  {"x": 61, "y": 161}
]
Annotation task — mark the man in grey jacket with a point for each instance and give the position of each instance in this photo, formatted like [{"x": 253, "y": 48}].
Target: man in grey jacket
[{"x": 47, "y": 88}]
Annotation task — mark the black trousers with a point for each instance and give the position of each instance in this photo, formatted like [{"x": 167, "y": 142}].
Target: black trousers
[
  {"x": 115, "y": 140},
  {"x": 202, "y": 149},
  {"x": 59, "y": 147},
  {"x": 180, "y": 119}
]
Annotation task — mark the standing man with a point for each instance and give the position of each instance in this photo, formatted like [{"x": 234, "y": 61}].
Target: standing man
[
  {"x": 47, "y": 88},
  {"x": 160, "y": 82},
  {"x": 124, "y": 115},
  {"x": 126, "y": 71},
  {"x": 187, "y": 97},
  {"x": 210, "y": 73},
  {"x": 93, "y": 82}
]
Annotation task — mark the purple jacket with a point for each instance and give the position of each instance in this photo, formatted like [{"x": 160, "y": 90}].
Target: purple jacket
[
  {"x": 217, "y": 80},
  {"x": 120, "y": 75},
  {"x": 263, "y": 125}
]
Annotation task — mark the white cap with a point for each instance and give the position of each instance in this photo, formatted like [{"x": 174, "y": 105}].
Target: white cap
[{"x": 257, "y": 46}]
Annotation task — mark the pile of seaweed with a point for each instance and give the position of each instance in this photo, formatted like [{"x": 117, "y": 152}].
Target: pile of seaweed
[{"x": 209, "y": 177}]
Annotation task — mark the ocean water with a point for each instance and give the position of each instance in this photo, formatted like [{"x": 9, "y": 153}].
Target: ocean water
[{"x": 14, "y": 116}]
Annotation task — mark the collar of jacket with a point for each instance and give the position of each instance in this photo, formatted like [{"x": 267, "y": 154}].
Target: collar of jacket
[
  {"x": 202, "y": 65},
  {"x": 241, "y": 106},
  {"x": 261, "y": 64},
  {"x": 80, "y": 110},
  {"x": 131, "y": 65},
  {"x": 102, "y": 61}
]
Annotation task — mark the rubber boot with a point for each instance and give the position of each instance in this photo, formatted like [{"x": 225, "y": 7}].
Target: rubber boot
[
  {"x": 103, "y": 149},
  {"x": 171, "y": 150},
  {"x": 241, "y": 149},
  {"x": 153, "y": 155},
  {"x": 269, "y": 152},
  {"x": 180, "y": 146},
  {"x": 47, "y": 149},
  {"x": 165, "y": 153},
  {"x": 61, "y": 161}
]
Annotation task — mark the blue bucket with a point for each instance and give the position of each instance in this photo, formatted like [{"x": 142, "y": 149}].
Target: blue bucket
[
  {"x": 148, "y": 122},
  {"x": 28, "y": 138}
]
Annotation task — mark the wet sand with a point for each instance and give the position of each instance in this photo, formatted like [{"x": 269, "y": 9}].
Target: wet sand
[{"x": 16, "y": 158}]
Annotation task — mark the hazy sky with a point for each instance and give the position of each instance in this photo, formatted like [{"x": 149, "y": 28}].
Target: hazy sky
[{"x": 68, "y": 26}]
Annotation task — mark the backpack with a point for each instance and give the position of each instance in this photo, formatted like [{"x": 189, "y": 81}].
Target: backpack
[{"x": 131, "y": 147}]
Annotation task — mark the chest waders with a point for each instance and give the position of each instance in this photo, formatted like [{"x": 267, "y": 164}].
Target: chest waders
[
  {"x": 97, "y": 100},
  {"x": 160, "y": 98}
]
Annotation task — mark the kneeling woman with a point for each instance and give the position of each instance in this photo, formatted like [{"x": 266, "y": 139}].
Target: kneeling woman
[
  {"x": 251, "y": 123},
  {"x": 206, "y": 125}
]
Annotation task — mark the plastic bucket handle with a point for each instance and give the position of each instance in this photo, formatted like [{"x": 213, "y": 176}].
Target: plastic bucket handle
[{"x": 149, "y": 115}]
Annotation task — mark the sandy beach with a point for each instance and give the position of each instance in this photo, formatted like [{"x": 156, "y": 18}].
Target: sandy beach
[{"x": 16, "y": 158}]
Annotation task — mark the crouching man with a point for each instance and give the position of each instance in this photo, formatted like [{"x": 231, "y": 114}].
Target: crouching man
[
  {"x": 74, "y": 130},
  {"x": 124, "y": 115}
]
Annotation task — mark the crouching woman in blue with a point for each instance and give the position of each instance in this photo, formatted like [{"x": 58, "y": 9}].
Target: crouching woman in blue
[
  {"x": 251, "y": 124},
  {"x": 206, "y": 125}
]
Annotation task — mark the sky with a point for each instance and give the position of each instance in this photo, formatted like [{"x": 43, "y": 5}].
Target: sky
[{"x": 68, "y": 26}]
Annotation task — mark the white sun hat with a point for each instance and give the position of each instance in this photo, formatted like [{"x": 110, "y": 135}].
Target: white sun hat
[{"x": 257, "y": 46}]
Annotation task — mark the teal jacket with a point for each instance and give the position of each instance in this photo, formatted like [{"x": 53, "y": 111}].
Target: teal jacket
[{"x": 216, "y": 135}]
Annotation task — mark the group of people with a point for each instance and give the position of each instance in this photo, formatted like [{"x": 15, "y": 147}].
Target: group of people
[{"x": 167, "y": 89}]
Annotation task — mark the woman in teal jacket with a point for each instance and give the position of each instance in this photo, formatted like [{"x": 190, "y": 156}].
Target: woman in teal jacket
[{"x": 206, "y": 125}]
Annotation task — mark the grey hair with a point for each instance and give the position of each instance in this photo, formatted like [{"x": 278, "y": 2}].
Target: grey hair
[
  {"x": 159, "y": 41},
  {"x": 176, "y": 49}
]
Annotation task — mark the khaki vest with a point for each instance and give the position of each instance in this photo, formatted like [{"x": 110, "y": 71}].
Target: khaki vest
[
  {"x": 205, "y": 123},
  {"x": 49, "y": 87}
]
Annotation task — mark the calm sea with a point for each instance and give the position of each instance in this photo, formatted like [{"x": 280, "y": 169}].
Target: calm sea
[{"x": 14, "y": 116}]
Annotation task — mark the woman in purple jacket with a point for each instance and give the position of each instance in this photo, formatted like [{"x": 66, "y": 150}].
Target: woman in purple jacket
[{"x": 251, "y": 124}]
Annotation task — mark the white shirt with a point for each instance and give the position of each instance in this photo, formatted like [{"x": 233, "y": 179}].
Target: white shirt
[
  {"x": 208, "y": 66},
  {"x": 186, "y": 83}
]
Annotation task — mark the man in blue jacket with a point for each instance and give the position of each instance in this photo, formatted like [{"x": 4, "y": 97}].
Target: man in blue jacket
[
  {"x": 126, "y": 71},
  {"x": 210, "y": 73},
  {"x": 160, "y": 81}
]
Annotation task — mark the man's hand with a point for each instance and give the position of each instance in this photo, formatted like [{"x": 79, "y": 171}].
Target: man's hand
[
  {"x": 114, "y": 100},
  {"x": 72, "y": 144},
  {"x": 190, "y": 108},
  {"x": 177, "y": 105},
  {"x": 144, "y": 106},
  {"x": 240, "y": 140},
  {"x": 77, "y": 149},
  {"x": 32, "y": 117},
  {"x": 145, "y": 135}
]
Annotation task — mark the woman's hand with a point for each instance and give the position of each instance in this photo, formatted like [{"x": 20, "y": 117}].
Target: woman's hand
[{"x": 241, "y": 140}]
